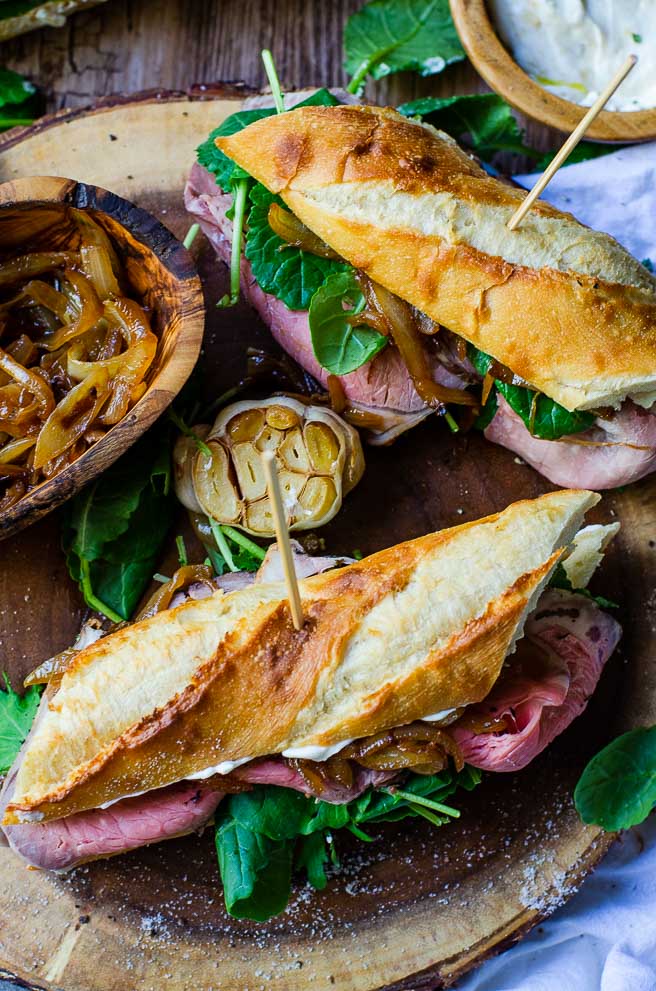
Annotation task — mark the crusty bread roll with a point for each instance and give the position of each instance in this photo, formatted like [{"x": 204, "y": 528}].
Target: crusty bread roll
[
  {"x": 563, "y": 306},
  {"x": 410, "y": 631}
]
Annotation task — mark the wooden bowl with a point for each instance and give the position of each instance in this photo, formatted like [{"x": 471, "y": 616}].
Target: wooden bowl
[
  {"x": 162, "y": 276},
  {"x": 498, "y": 68}
]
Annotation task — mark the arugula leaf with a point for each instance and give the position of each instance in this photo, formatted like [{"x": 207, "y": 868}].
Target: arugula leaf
[
  {"x": 388, "y": 36},
  {"x": 544, "y": 417},
  {"x": 559, "y": 579},
  {"x": 339, "y": 346},
  {"x": 17, "y": 714},
  {"x": 114, "y": 529},
  {"x": 485, "y": 117},
  {"x": 617, "y": 789},
  {"x": 261, "y": 831},
  {"x": 288, "y": 273},
  {"x": 255, "y": 870}
]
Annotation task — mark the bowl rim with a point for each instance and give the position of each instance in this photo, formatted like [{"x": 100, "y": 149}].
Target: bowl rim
[
  {"x": 170, "y": 377},
  {"x": 504, "y": 75}
]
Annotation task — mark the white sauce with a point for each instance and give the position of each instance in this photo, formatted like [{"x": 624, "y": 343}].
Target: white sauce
[
  {"x": 225, "y": 767},
  {"x": 315, "y": 753},
  {"x": 573, "y": 47},
  {"x": 437, "y": 717}
]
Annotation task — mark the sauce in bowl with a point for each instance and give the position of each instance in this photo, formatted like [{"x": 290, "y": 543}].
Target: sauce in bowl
[{"x": 573, "y": 47}]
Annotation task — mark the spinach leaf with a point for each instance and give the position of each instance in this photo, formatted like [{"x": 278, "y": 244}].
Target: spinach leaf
[
  {"x": 288, "y": 273},
  {"x": 388, "y": 36},
  {"x": 617, "y": 789},
  {"x": 262, "y": 832},
  {"x": 225, "y": 170},
  {"x": 340, "y": 347},
  {"x": 584, "y": 151},
  {"x": 559, "y": 579},
  {"x": 312, "y": 856},
  {"x": 17, "y": 714},
  {"x": 544, "y": 417},
  {"x": 115, "y": 528},
  {"x": 485, "y": 117},
  {"x": 255, "y": 870}
]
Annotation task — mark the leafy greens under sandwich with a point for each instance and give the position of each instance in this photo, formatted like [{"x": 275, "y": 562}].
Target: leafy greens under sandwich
[{"x": 282, "y": 808}]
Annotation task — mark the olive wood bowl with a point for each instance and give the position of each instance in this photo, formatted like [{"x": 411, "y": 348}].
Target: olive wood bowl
[
  {"x": 498, "y": 68},
  {"x": 162, "y": 277}
]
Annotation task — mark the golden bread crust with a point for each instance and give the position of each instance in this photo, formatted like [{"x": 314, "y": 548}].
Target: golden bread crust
[
  {"x": 414, "y": 629},
  {"x": 565, "y": 307}
]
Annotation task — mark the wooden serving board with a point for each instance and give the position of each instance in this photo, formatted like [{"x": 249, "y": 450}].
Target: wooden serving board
[{"x": 419, "y": 906}]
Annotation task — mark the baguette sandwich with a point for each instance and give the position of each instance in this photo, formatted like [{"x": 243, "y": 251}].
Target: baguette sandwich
[
  {"x": 451, "y": 651},
  {"x": 557, "y": 321}
]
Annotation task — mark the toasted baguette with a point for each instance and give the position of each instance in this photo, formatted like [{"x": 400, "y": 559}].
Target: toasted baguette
[
  {"x": 563, "y": 306},
  {"x": 412, "y": 630}
]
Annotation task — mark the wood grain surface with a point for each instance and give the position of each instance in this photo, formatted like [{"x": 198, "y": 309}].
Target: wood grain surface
[{"x": 417, "y": 908}]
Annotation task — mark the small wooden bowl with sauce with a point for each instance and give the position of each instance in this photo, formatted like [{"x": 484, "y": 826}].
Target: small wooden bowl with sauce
[
  {"x": 500, "y": 71},
  {"x": 36, "y": 214}
]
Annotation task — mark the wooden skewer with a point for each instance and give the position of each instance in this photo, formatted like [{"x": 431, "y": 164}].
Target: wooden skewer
[
  {"x": 571, "y": 142},
  {"x": 282, "y": 536}
]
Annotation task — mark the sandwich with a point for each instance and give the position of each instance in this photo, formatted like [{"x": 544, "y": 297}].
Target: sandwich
[
  {"x": 464, "y": 650},
  {"x": 543, "y": 337}
]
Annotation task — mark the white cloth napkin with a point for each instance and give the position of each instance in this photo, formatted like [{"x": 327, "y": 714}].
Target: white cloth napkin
[{"x": 604, "y": 939}]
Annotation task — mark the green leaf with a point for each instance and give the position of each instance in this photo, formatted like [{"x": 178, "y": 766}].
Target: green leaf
[
  {"x": 544, "y": 417},
  {"x": 114, "y": 529},
  {"x": 17, "y": 714},
  {"x": 584, "y": 151},
  {"x": 388, "y": 36},
  {"x": 617, "y": 789},
  {"x": 255, "y": 871},
  {"x": 13, "y": 88},
  {"x": 559, "y": 579},
  {"x": 338, "y": 346},
  {"x": 288, "y": 273},
  {"x": 16, "y": 8},
  {"x": 485, "y": 117},
  {"x": 312, "y": 856}
]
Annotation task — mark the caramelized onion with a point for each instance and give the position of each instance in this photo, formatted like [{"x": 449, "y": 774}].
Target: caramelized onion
[
  {"x": 182, "y": 578},
  {"x": 287, "y": 226},
  {"x": 401, "y": 323},
  {"x": 74, "y": 358}
]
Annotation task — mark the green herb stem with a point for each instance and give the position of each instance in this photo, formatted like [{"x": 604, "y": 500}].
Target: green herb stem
[
  {"x": 91, "y": 599},
  {"x": 453, "y": 426},
  {"x": 222, "y": 544},
  {"x": 274, "y": 82},
  {"x": 356, "y": 85},
  {"x": 446, "y": 810},
  {"x": 182, "y": 551},
  {"x": 188, "y": 432},
  {"x": 242, "y": 540},
  {"x": 190, "y": 236},
  {"x": 240, "y": 195},
  {"x": 162, "y": 579}
]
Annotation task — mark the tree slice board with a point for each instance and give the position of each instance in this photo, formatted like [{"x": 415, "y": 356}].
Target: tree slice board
[{"x": 417, "y": 907}]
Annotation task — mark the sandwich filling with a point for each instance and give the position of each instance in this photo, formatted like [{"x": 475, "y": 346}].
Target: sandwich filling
[
  {"x": 411, "y": 366},
  {"x": 542, "y": 686}
]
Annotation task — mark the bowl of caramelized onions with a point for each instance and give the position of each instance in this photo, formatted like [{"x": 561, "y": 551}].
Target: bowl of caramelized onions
[{"x": 101, "y": 322}]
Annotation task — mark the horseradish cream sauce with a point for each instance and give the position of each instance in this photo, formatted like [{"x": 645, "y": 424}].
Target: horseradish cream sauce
[{"x": 574, "y": 47}]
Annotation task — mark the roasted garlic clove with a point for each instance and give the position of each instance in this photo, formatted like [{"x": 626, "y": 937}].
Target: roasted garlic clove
[
  {"x": 319, "y": 459},
  {"x": 184, "y": 455}
]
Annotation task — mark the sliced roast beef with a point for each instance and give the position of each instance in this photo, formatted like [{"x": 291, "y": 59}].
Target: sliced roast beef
[
  {"x": 133, "y": 822},
  {"x": 614, "y": 452},
  {"x": 567, "y": 641},
  {"x": 383, "y": 383},
  {"x": 279, "y": 771}
]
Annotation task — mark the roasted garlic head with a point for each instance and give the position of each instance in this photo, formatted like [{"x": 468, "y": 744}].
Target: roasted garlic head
[{"x": 319, "y": 458}]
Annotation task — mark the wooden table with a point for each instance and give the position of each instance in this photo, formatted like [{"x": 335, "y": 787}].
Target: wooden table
[{"x": 133, "y": 45}]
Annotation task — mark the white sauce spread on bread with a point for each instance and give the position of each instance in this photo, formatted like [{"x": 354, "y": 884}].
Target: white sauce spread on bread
[{"x": 573, "y": 47}]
